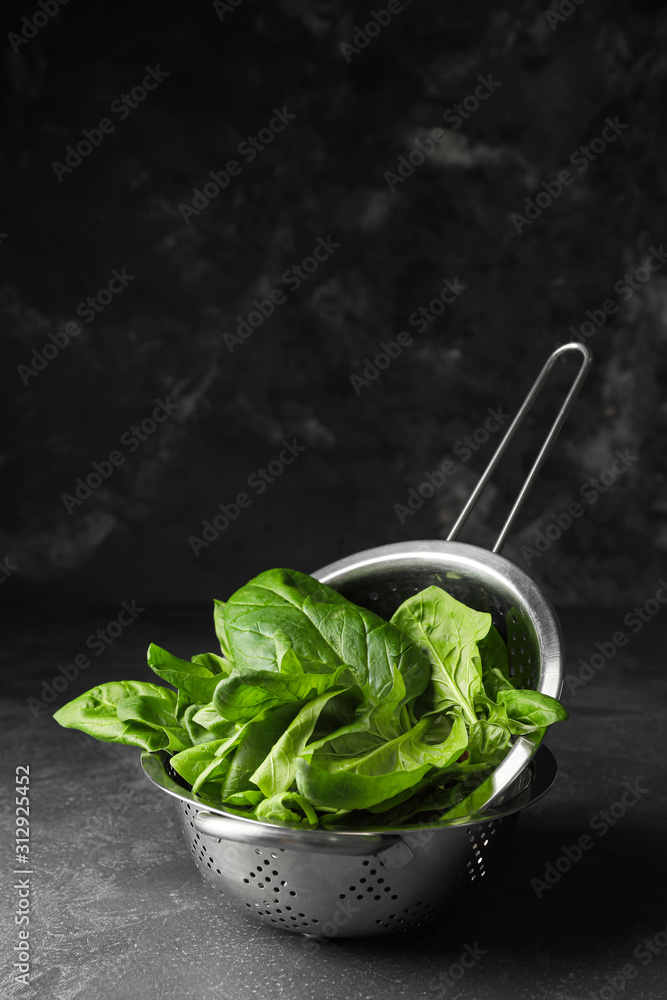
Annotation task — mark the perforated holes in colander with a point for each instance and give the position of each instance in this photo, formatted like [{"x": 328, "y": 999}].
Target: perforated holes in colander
[
  {"x": 384, "y": 596},
  {"x": 194, "y": 837},
  {"x": 366, "y": 888},
  {"x": 410, "y": 917},
  {"x": 198, "y": 848},
  {"x": 521, "y": 644},
  {"x": 279, "y": 904},
  {"x": 480, "y": 840}
]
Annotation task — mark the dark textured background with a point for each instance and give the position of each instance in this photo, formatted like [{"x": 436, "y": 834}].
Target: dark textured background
[
  {"x": 324, "y": 175},
  {"x": 119, "y": 910}
]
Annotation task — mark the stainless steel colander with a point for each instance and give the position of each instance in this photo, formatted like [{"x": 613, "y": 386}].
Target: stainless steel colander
[
  {"x": 347, "y": 884},
  {"x": 354, "y": 883}
]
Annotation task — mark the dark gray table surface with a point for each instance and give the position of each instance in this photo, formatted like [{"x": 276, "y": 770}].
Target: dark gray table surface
[{"x": 118, "y": 909}]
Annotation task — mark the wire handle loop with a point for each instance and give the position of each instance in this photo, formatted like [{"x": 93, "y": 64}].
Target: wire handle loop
[{"x": 587, "y": 359}]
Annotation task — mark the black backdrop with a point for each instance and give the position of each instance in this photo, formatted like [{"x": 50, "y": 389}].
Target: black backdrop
[{"x": 530, "y": 214}]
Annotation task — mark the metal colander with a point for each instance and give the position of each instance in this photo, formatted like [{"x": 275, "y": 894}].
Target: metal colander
[
  {"x": 355, "y": 883},
  {"x": 346, "y": 884}
]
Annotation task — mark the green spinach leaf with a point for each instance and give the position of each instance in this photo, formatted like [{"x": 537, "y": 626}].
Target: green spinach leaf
[
  {"x": 243, "y": 695},
  {"x": 321, "y": 625},
  {"x": 448, "y": 632},
  {"x": 95, "y": 713},
  {"x": 357, "y": 782},
  {"x": 195, "y": 679},
  {"x": 278, "y": 769},
  {"x": 532, "y": 707}
]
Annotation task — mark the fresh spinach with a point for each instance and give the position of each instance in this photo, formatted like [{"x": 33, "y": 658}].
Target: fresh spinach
[
  {"x": 448, "y": 632},
  {"x": 97, "y": 713},
  {"x": 321, "y": 625},
  {"x": 319, "y": 712}
]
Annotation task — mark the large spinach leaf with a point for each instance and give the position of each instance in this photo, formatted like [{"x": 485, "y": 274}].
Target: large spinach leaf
[
  {"x": 321, "y": 625},
  {"x": 448, "y": 632},
  {"x": 95, "y": 713},
  {"x": 277, "y": 771},
  {"x": 360, "y": 781},
  {"x": 243, "y": 695}
]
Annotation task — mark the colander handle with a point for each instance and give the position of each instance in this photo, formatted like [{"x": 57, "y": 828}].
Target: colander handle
[
  {"x": 266, "y": 835},
  {"x": 587, "y": 358}
]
